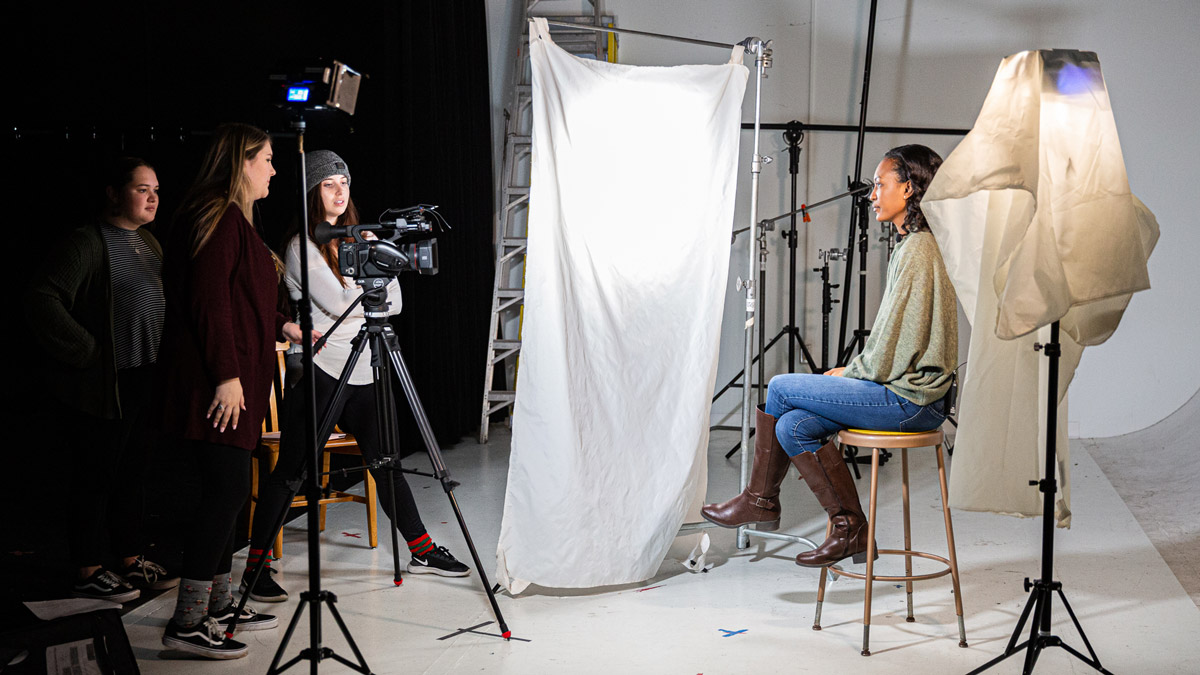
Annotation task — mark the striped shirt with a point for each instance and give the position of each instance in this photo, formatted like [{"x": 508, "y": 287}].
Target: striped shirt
[{"x": 135, "y": 272}]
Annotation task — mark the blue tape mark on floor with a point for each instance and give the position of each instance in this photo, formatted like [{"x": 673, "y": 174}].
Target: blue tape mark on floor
[{"x": 731, "y": 633}]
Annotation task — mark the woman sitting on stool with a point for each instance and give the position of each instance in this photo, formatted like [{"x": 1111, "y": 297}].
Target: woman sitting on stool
[{"x": 898, "y": 382}]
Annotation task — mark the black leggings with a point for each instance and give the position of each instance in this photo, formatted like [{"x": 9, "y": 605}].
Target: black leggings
[
  {"x": 224, "y": 473},
  {"x": 107, "y": 475},
  {"x": 356, "y": 416}
]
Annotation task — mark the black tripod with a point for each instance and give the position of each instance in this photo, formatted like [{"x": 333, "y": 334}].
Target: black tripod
[
  {"x": 1042, "y": 590},
  {"x": 793, "y": 137},
  {"x": 386, "y": 359}
]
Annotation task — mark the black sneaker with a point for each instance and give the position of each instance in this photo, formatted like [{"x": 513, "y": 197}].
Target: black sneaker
[
  {"x": 438, "y": 561},
  {"x": 249, "y": 620},
  {"x": 148, "y": 575},
  {"x": 206, "y": 639},
  {"x": 266, "y": 590},
  {"x": 104, "y": 585}
]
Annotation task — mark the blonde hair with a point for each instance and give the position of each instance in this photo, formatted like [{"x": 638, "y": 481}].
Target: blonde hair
[{"x": 221, "y": 181}]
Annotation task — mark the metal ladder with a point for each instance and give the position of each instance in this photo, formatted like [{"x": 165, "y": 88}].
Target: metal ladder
[{"x": 512, "y": 209}]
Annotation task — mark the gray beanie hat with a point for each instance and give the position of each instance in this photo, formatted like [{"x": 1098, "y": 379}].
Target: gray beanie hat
[{"x": 321, "y": 164}]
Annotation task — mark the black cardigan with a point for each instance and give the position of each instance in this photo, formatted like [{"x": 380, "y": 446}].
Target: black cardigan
[{"x": 70, "y": 312}]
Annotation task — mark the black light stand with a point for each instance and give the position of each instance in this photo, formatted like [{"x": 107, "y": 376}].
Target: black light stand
[
  {"x": 858, "y": 216},
  {"x": 827, "y": 299},
  {"x": 1042, "y": 590},
  {"x": 314, "y": 598},
  {"x": 793, "y": 137}
]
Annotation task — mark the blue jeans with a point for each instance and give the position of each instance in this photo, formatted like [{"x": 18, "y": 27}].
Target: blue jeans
[{"x": 811, "y": 408}]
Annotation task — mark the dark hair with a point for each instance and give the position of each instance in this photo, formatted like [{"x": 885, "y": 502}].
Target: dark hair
[
  {"x": 316, "y": 216},
  {"x": 916, "y": 164},
  {"x": 118, "y": 172}
]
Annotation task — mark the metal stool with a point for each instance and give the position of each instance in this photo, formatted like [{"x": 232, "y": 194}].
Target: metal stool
[{"x": 878, "y": 440}]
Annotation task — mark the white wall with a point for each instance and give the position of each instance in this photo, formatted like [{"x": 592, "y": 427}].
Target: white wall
[{"x": 933, "y": 64}]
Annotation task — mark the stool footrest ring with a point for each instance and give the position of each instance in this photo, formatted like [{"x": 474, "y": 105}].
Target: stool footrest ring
[{"x": 835, "y": 570}]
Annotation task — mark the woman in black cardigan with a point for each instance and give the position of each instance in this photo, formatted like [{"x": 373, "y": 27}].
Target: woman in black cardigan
[{"x": 97, "y": 312}]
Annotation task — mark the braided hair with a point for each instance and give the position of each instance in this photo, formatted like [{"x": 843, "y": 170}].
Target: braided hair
[{"x": 916, "y": 164}]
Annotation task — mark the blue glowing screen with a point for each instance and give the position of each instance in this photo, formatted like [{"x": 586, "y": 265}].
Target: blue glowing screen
[
  {"x": 297, "y": 94},
  {"x": 1073, "y": 79}
]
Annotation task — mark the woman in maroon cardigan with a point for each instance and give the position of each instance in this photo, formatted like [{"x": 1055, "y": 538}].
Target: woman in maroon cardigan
[{"x": 218, "y": 352}]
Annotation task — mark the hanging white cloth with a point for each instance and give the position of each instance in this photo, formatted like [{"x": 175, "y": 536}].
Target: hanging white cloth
[
  {"x": 1036, "y": 224},
  {"x": 631, "y": 208}
]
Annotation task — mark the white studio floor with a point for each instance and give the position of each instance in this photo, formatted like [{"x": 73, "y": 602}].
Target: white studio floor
[{"x": 1134, "y": 610}]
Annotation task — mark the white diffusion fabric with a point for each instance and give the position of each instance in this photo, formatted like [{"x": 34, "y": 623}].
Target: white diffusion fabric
[
  {"x": 1036, "y": 224},
  {"x": 631, "y": 208}
]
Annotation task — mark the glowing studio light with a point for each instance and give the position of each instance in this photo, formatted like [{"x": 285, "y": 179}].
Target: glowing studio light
[{"x": 1074, "y": 79}]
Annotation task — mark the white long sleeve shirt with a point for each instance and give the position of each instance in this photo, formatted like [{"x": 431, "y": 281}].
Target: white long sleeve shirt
[{"x": 329, "y": 300}]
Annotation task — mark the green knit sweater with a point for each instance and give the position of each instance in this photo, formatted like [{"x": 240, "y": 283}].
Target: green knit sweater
[{"x": 913, "y": 346}]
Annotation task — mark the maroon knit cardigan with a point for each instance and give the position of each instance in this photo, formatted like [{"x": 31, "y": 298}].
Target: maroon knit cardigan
[{"x": 222, "y": 322}]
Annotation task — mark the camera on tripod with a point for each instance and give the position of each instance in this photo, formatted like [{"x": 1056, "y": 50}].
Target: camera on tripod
[{"x": 400, "y": 244}]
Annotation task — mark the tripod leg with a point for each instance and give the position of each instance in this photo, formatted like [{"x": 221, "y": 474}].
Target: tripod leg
[
  {"x": 439, "y": 468},
  {"x": 1034, "y": 646},
  {"x": 812, "y": 365},
  {"x": 327, "y": 422},
  {"x": 385, "y": 417},
  {"x": 1095, "y": 661},
  {"x": 287, "y": 637},
  {"x": 1091, "y": 662},
  {"x": 261, "y": 566},
  {"x": 331, "y": 602}
]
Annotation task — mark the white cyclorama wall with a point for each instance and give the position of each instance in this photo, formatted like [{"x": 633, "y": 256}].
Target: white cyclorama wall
[{"x": 933, "y": 65}]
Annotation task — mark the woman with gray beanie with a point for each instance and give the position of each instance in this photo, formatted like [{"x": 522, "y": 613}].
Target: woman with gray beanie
[{"x": 328, "y": 184}]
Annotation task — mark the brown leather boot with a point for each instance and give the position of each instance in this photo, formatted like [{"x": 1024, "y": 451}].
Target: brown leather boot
[
  {"x": 831, "y": 482},
  {"x": 759, "y": 503}
]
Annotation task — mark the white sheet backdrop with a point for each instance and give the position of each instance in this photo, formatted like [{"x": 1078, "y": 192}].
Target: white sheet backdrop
[
  {"x": 1036, "y": 223},
  {"x": 631, "y": 209}
]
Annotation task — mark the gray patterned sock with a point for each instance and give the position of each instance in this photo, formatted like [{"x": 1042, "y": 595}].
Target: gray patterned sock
[
  {"x": 192, "y": 605},
  {"x": 222, "y": 592}
]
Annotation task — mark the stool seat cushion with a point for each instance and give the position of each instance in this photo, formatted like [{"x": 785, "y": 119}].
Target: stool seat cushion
[{"x": 865, "y": 438}]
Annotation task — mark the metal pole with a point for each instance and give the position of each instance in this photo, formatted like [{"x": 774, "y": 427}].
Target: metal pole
[
  {"x": 1049, "y": 485},
  {"x": 309, "y": 393},
  {"x": 871, "y": 129},
  {"x": 761, "y": 56},
  {"x": 606, "y": 29},
  {"x": 862, "y": 130}
]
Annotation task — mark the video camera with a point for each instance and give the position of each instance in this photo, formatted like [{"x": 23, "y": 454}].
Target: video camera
[{"x": 400, "y": 243}]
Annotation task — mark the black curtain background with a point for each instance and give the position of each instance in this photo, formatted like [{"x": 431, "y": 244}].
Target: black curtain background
[{"x": 152, "y": 79}]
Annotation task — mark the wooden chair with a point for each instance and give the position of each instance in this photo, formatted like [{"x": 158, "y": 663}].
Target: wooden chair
[
  {"x": 877, "y": 441},
  {"x": 268, "y": 453}
]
